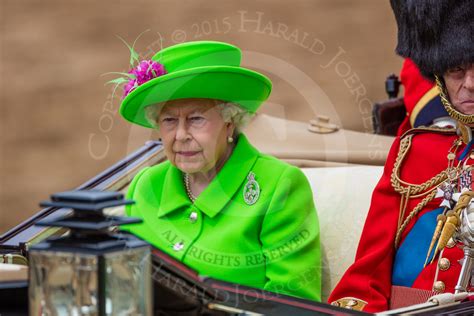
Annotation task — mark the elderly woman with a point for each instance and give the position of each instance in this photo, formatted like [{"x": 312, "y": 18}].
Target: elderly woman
[{"x": 218, "y": 204}]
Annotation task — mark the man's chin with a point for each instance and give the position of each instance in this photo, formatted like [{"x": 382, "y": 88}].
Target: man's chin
[{"x": 466, "y": 108}]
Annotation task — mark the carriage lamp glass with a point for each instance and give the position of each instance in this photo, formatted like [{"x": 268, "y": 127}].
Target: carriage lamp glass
[{"x": 90, "y": 271}]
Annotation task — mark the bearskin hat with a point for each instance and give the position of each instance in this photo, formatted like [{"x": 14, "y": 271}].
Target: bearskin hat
[{"x": 436, "y": 34}]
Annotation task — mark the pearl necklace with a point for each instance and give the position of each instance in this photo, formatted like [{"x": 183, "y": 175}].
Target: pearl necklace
[{"x": 190, "y": 194}]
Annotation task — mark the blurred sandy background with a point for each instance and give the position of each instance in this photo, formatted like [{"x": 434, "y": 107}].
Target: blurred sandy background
[{"x": 60, "y": 126}]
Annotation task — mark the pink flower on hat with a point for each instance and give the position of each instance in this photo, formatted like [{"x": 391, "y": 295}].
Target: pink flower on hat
[
  {"x": 138, "y": 75},
  {"x": 144, "y": 72}
]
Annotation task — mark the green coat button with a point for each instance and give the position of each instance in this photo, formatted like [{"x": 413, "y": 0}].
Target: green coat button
[{"x": 193, "y": 217}]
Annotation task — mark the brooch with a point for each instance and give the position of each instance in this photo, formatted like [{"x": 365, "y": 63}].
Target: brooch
[{"x": 251, "y": 190}]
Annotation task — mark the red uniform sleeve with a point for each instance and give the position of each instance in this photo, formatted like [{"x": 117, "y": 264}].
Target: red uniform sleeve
[{"x": 369, "y": 277}]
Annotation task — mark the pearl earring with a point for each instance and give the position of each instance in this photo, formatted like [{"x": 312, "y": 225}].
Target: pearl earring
[{"x": 230, "y": 139}]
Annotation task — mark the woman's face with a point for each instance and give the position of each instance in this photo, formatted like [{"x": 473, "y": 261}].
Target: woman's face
[
  {"x": 194, "y": 134},
  {"x": 460, "y": 85}
]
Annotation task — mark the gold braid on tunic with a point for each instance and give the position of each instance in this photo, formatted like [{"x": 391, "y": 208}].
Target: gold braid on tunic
[{"x": 409, "y": 190}]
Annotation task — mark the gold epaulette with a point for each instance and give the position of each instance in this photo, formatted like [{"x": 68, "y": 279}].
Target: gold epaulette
[{"x": 350, "y": 303}]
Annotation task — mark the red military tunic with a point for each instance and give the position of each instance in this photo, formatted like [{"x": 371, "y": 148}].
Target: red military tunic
[{"x": 369, "y": 278}]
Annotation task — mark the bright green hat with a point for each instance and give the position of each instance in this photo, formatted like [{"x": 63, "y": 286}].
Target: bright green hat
[{"x": 201, "y": 69}]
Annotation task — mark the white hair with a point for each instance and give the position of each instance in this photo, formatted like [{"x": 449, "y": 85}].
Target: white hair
[{"x": 230, "y": 112}]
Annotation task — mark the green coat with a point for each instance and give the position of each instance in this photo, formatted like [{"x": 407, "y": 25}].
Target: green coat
[{"x": 272, "y": 244}]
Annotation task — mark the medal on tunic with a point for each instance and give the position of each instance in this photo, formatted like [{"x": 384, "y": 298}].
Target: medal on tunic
[
  {"x": 251, "y": 190},
  {"x": 446, "y": 191}
]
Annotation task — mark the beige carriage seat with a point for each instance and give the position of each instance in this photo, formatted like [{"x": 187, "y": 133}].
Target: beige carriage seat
[{"x": 342, "y": 196}]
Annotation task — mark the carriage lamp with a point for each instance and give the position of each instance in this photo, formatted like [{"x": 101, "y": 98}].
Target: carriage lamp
[{"x": 90, "y": 270}]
